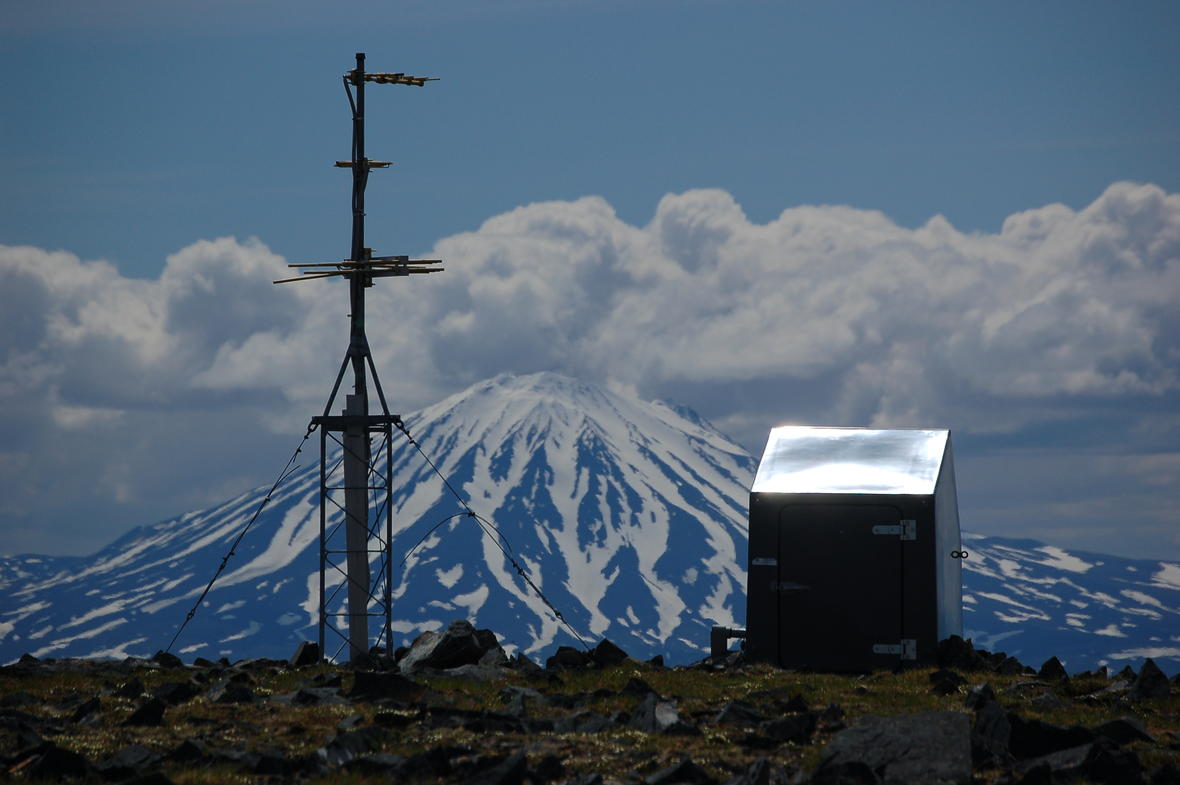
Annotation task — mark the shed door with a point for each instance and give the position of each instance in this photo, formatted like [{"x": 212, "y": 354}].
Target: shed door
[{"x": 840, "y": 588}]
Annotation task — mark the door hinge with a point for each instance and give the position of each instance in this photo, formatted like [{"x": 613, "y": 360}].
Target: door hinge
[
  {"x": 906, "y": 530},
  {"x": 907, "y": 649}
]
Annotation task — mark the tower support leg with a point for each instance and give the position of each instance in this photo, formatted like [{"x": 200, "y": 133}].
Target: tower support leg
[{"x": 356, "y": 510}]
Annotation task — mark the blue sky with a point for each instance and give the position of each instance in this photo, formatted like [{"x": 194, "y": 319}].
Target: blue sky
[{"x": 138, "y": 133}]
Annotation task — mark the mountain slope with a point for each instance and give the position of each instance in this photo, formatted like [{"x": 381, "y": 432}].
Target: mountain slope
[
  {"x": 630, "y": 516},
  {"x": 1034, "y": 601}
]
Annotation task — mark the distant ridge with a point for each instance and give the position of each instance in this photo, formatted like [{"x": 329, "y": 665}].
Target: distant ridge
[{"x": 630, "y": 515}]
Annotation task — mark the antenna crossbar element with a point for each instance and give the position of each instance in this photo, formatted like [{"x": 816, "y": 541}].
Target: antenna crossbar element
[
  {"x": 416, "y": 81},
  {"x": 369, "y": 163},
  {"x": 358, "y": 486}
]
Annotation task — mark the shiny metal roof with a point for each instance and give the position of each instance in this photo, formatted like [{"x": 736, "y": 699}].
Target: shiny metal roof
[{"x": 809, "y": 459}]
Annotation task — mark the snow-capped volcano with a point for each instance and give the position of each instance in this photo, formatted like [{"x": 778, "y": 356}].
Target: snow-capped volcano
[{"x": 630, "y": 516}]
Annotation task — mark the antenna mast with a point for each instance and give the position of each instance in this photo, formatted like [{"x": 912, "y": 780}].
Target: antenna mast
[{"x": 367, "y": 528}]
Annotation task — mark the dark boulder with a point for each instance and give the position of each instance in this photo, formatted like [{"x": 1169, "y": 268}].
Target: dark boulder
[
  {"x": 86, "y": 710},
  {"x": 128, "y": 762},
  {"x": 1033, "y": 738},
  {"x": 1150, "y": 683},
  {"x": 567, "y": 658},
  {"x": 954, "y": 652},
  {"x": 738, "y": 712},
  {"x": 1124, "y": 730},
  {"x": 51, "y": 763},
  {"x": 637, "y": 686},
  {"x": 934, "y": 747},
  {"x": 459, "y": 644},
  {"x": 1052, "y": 670},
  {"x": 683, "y": 773},
  {"x": 607, "y": 654},
  {"x": 845, "y": 773},
  {"x": 522, "y": 664},
  {"x": 235, "y": 689},
  {"x": 167, "y": 660},
  {"x": 378, "y": 685},
  {"x": 350, "y": 745},
  {"x": 509, "y": 771},
  {"x": 307, "y": 653},
  {"x": 654, "y": 715},
  {"x": 189, "y": 751},
  {"x": 979, "y": 696},
  {"x": 149, "y": 714},
  {"x": 794, "y": 728},
  {"x": 175, "y": 693},
  {"x": 990, "y": 736},
  {"x": 946, "y": 682},
  {"x": 757, "y": 773},
  {"x": 132, "y": 688}
]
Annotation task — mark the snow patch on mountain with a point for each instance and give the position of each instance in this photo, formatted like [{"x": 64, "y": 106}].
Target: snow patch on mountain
[{"x": 629, "y": 515}]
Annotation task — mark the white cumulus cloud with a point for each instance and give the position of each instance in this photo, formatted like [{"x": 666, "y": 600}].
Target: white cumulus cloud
[{"x": 826, "y": 314}]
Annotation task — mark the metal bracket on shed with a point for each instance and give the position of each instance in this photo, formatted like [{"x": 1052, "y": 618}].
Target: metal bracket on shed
[
  {"x": 907, "y": 649},
  {"x": 906, "y": 530}
]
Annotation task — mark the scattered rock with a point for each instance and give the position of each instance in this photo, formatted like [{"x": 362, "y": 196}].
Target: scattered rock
[
  {"x": 175, "y": 693},
  {"x": 1033, "y": 738},
  {"x": 1150, "y": 683},
  {"x": 654, "y": 715},
  {"x": 377, "y": 685},
  {"x": 522, "y": 664},
  {"x": 567, "y": 658},
  {"x": 979, "y": 696},
  {"x": 637, "y": 686},
  {"x": 795, "y": 728},
  {"x": 235, "y": 689},
  {"x": 1052, "y": 670},
  {"x": 307, "y": 653},
  {"x": 51, "y": 763},
  {"x": 510, "y": 771},
  {"x": 434, "y": 762},
  {"x": 128, "y": 762},
  {"x": 990, "y": 736},
  {"x": 151, "y": 778},
  {"x": 1166, "y": 774},
  {"x": 607, "y": 654},
  {"x": 934, "y": 747},
  {"x": 459, "y": 644},
  {"x": 738, "y": 712},
  {"x": 132, "y": 688},
  {"x": 149, "y": 714},
  {"x": 167, "y": 660},
  {"x": 683, "y": 773},
  {"x": 189, "y": 751},
  {"x": 831, "y": 718},
  {"x": 1124, "y": 730},
  {"x": 378, "y": 764},
  {"x": 312, "y": 696},
  {"x": 954, "y": 652},
  {"x": 350, "y": 745},
  {"x": 946, "y": 682},
  {"x": 850, "y": 773},
  {"x": 1046, "y": 701},
  {"x": 758, "y": 773},
  {"x": 86, "y": 710},
  {"x": 518, "y": 700}
]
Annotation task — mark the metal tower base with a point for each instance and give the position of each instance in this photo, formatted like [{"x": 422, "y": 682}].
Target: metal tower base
[{"x": 358, "y": 552}]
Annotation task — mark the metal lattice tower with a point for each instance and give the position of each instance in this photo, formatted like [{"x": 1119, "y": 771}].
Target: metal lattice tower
[{"x": 356, "y": 504}]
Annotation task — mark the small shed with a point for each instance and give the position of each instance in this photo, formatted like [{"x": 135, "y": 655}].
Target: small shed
[{"x": 855, "y": 553}]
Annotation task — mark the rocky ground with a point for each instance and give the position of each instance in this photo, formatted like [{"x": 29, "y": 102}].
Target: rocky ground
[{"x": 454, "y": 708}]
